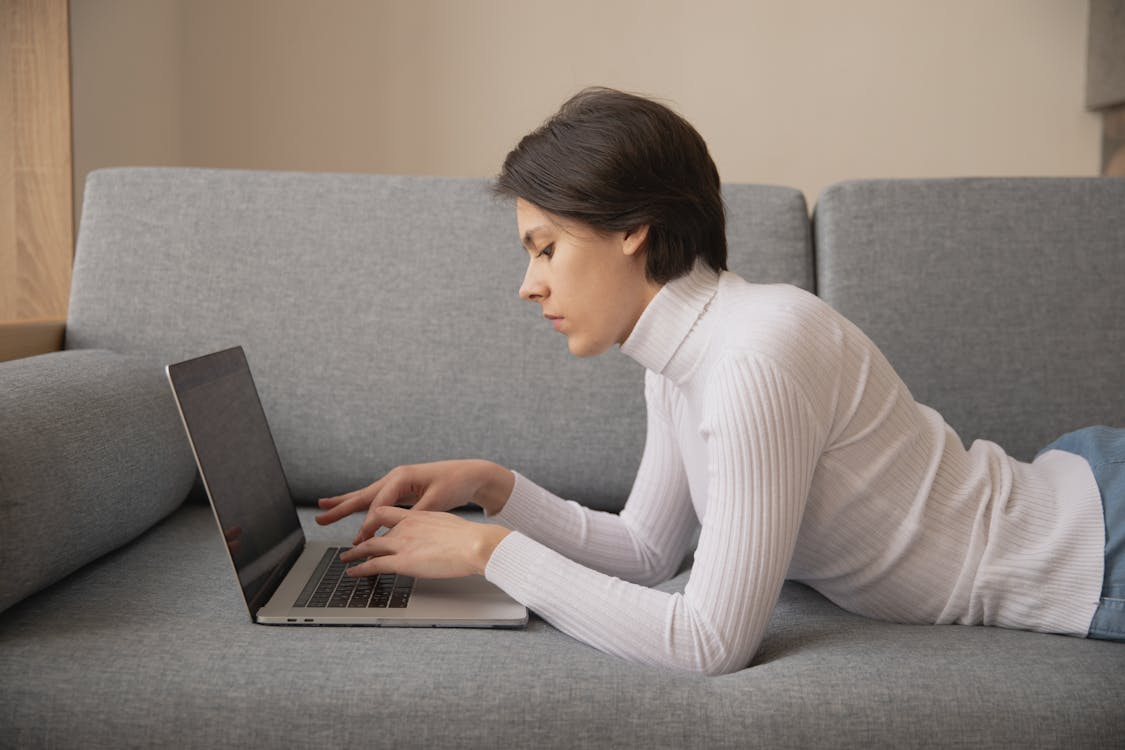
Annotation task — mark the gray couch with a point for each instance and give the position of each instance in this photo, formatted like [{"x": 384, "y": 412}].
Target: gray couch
[{"x": 381, "y": 321}]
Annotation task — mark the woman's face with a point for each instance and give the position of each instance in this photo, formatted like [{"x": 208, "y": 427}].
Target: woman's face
[{"x": 590, "y": 285}]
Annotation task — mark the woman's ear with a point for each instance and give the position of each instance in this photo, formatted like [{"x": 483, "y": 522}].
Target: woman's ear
[{"x": 634, "y": 239}]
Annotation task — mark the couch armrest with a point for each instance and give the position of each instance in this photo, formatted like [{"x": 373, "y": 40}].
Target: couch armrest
[
  {"x": 26, "y": 338},
  {"x": 92, "y": 454}
]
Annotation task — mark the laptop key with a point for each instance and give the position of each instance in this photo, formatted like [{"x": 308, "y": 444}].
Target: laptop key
[
  {"x": 314, "y": 580},
  {"x": 359, "y": 600}
]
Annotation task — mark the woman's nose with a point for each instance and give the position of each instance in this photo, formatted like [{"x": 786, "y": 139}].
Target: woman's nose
[{"x": 532, "y": 289}]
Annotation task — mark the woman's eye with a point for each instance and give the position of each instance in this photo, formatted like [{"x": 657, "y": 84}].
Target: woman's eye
[{"x": 547, "y": 251}]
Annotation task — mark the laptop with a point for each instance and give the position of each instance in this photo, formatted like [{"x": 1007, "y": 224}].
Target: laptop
[{"x": 285, "y": 579}]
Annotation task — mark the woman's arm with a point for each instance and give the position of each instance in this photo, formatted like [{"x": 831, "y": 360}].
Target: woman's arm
[
  {"x": 647, "y": 542},
  {"x": 763, "y": 444}
]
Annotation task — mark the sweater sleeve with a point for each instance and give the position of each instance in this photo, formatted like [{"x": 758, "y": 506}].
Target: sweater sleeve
[
  {"x": 762, "y": 443},
  {"x": 647, "y": 542}
]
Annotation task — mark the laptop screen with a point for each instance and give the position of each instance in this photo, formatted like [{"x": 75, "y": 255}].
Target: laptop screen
[{"x": 241, "y": 469}]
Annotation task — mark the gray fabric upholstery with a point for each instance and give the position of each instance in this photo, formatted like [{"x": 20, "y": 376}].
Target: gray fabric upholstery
[
  {"x": 91, "y": 454},
  {"x": 999, "y": 301},
  {"x": 190, "y": 670},
  {"x": 382, "y": 325},
  {"x": 380, "y": 317}
]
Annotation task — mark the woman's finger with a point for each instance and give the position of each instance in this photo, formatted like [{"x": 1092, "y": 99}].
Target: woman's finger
[
  {"x": 344, "y": 508},
  {"x": 432, "y": 498},
  {"x": 377, "y": 551},
  {"x": 395, "y": 487},
  {"x": 333, "y": 509},
  {"x": 344, "y": 505},
  {"x": 327, "y": 503},
  {"x": 398, "y": 486},
  {"x": 372, "y": 567},
  {"x": 378, "y": 518},
  {"x": 374, "y": 547},
  {"x": 390, "y": 515}
]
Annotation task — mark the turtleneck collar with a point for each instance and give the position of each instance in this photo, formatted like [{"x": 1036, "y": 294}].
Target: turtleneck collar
[{"x": 660, "y": 340}]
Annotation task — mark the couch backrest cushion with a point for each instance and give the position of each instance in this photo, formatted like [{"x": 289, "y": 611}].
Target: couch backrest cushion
[
  {"x": 380, "y": 317},
  {"x": 1001, "y": 302},
  {"x": 92, "y": 454}
]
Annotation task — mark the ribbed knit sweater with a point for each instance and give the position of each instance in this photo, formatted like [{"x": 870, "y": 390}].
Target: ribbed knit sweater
[{"x": 780, "y": 432}]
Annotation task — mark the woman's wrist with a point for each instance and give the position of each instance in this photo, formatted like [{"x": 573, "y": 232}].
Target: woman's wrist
[
  {"x": 490, "y": 538},
  {"x": 495, "y": 489}
]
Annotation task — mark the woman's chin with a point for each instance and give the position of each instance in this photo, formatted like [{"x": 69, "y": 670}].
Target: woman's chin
[{"x": 580, "y": 347}]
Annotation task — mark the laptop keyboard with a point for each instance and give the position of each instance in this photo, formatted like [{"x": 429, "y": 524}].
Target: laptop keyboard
[{"x": 330, "y": 587}]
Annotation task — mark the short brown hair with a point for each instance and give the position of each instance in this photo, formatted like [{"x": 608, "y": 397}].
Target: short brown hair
[{"x": 617, "y": 161}]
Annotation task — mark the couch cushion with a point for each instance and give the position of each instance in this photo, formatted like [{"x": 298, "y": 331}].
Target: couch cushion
[
  {"x": 380, "y": 317},
  {"x": 91, "y": 454},
  {"x": 999, "y": 301},
  {"x": 173, "y": 661}
]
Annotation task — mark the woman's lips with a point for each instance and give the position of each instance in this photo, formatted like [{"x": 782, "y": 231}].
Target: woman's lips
[{"x": 556, "y": 321}]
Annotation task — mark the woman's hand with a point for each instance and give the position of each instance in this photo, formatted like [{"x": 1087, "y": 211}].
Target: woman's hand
[
  {"x": 438, "y": 486},
  {"x": 425, "y": 544}
]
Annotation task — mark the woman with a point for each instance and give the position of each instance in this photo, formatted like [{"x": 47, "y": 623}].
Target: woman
[{"x": 775, "y": 428}]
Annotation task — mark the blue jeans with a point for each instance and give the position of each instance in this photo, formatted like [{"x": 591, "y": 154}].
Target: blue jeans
[{"x": 1104, "y": 449}]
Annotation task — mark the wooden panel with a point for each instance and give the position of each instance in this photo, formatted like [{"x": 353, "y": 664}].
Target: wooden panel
[
  {"x": 8, "y": 271},
  {"x": 26, "y": 338},
  {"x": 1105, "y": 64},
  {"x": 36, "y": 193},
  {"x": 1113, "y": 141}
]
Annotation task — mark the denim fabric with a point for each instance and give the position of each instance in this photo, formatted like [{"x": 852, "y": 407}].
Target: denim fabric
[{"x": 1104, "y": 449}]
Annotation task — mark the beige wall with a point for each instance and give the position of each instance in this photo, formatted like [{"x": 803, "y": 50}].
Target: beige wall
[{"x": 796, "y": 92}]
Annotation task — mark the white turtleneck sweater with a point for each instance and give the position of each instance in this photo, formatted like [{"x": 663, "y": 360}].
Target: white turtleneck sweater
[{"x": 779, "y": 431}]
